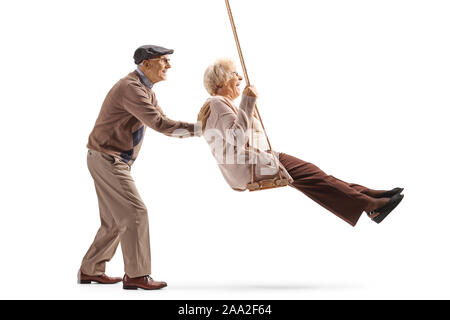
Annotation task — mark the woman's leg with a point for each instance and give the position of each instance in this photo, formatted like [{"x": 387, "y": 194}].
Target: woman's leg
[
  {"x": 370, "y": 192},
  {"x": 347, "y": 201}
]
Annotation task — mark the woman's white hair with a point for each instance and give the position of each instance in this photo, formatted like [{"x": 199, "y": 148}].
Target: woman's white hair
[{"x": 217, "y": 74}]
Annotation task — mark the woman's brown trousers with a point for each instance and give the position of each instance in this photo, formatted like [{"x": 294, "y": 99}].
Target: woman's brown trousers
[{"x": 346, "y": 200}]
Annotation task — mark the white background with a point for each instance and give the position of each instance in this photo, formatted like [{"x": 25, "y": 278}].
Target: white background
[{"x": 359, "y": 88}]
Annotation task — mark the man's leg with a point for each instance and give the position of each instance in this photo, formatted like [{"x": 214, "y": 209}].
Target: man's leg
[
  {"x": 126, "y": 218},
  {"x": 343, "y": 199},
  {"x": 105, "y": 243},
  {"x": 131, "y": 214}
]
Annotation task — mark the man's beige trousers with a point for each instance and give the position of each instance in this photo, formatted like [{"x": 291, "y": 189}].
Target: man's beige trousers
[{"x": 123, "y": 218}]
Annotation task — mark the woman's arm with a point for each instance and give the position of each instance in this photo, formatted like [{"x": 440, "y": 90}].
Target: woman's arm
[{"x": 228, "y": 122}]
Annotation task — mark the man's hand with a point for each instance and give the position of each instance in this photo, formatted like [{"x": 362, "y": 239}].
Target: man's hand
[{"x": 250, "y": 91}]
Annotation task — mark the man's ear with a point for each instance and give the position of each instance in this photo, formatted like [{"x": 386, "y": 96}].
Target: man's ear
[{"x": 146, "y": 64}]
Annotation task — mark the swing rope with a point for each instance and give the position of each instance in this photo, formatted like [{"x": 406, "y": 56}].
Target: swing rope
[
  {"x": 241, "y": 57},
  {"x": 282, "y": 182}
]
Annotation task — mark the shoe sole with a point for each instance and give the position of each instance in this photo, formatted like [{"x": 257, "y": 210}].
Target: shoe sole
[
  {"x": 387, "y": 195},
  {"x": 135, "y": 288},
  {"x": 90, "y": 281},
  {"x": 84, "y": 281},
  {"x": 382, "y": 216},
  {"x": 130, "y": 288}
]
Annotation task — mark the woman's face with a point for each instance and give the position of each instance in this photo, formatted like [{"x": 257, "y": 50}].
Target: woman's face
[{"x": 230, "y": 89}]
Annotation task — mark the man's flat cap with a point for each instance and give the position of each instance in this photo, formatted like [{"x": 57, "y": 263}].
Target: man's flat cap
[{"x": 149, "y": 52}]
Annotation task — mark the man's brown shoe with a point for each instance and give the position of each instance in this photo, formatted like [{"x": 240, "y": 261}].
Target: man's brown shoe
[
  {"x": 145, "y": 282},
  {"x": 103, "y": 279}
]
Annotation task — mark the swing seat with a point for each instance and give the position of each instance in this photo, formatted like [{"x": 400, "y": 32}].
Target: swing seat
[{"x": 267, "y": 184}]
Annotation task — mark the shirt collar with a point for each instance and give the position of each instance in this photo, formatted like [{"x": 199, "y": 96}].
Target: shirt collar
[{"x": 147, "y": 82}]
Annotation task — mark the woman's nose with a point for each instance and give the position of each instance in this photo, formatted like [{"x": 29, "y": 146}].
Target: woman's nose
[{"x": 240, "y": 78}]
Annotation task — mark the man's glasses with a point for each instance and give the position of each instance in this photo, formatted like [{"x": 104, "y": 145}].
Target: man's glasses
[{"x": 165, "y": 60}]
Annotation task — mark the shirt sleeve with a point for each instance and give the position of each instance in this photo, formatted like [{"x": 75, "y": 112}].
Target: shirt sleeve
[{"x": 144, "y": 107}]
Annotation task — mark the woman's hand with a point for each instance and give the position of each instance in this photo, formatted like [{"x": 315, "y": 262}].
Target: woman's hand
[{"x": 250, "y": 91}]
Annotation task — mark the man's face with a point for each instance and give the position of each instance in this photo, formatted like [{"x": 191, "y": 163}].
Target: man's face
[{"x": 156, "y": 69}]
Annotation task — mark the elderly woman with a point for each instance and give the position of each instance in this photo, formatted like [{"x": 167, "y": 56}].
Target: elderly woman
[{"x": 237, "y": 140}]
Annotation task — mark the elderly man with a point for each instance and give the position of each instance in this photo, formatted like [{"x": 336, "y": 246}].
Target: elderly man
[{"x": 113, "y": 145}]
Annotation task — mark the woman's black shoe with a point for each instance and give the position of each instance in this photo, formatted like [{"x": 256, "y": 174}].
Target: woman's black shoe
[
  {"x": 390, "y": 193},
  {"x": 385, "y": 210}
]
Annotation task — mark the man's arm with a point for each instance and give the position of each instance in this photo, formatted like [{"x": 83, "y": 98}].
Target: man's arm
[{"x": 136, "y": 101}]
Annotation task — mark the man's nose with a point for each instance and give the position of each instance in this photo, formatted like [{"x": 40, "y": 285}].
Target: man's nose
[{"x": 240, "y": 78}]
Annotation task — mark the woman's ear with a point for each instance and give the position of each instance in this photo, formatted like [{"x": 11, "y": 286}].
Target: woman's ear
[{"x": 219, "y": 86}]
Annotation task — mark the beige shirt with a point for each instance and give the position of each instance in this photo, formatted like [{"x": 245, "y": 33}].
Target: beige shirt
[
  {"x": 128, "y": 108},
  {"x": 228, "y": 132}
]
